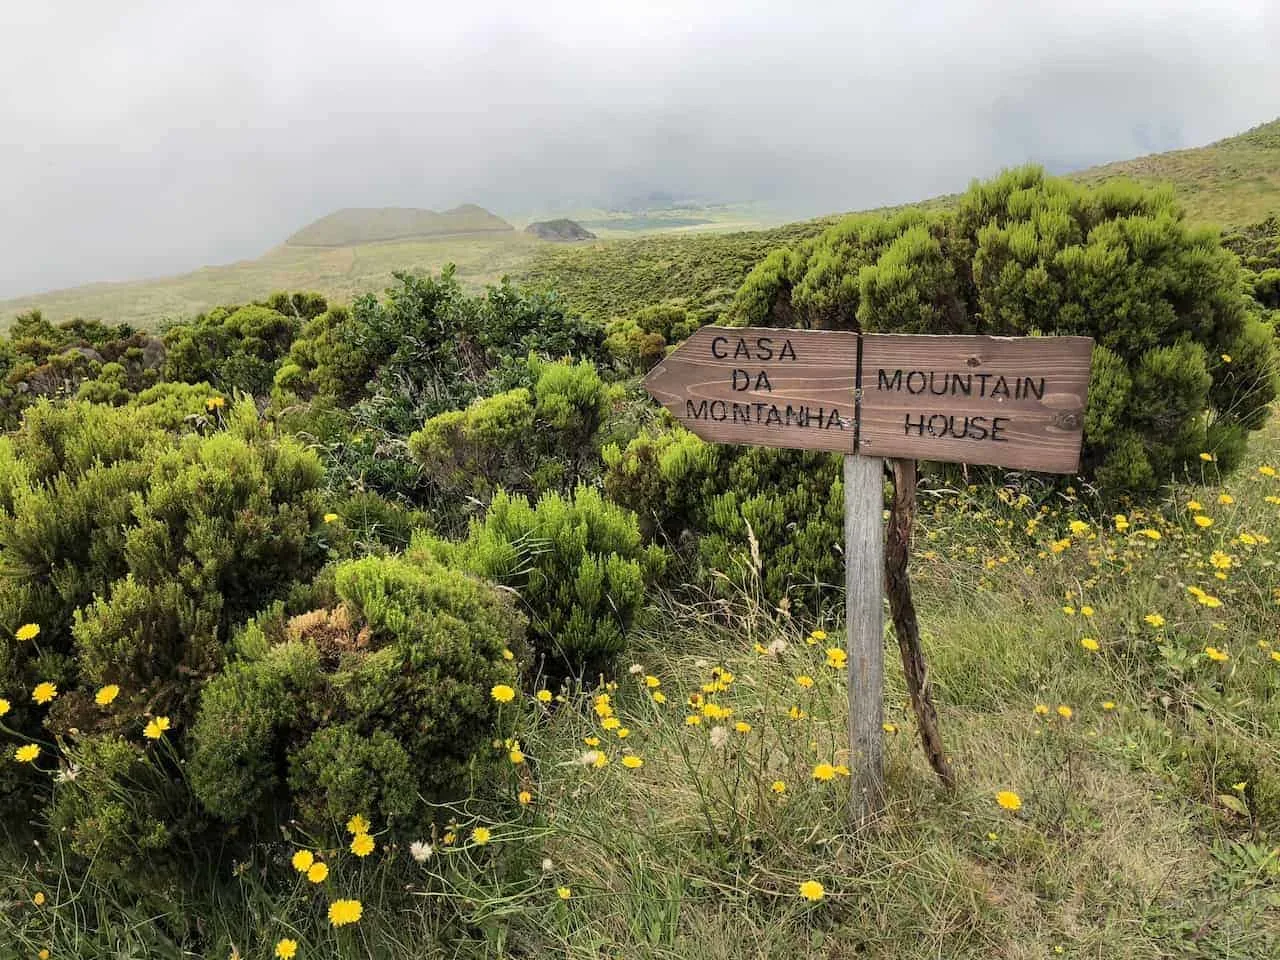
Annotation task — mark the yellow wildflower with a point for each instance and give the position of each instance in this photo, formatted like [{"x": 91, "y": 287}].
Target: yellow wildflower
[
  {"x": 107, "y": 694},
  {"x": 659, "y": 697},
  {"x": 818, "y": 636},
  {"x": 26, "y": 753},
  {"x": 480, "y": 836},
  {"x": 1216, "y": 655},
  {"x": 837, "y": 658},
  {"x": 611, "y": 723},
  {"x": 286, "y": 949},
  {"x": 343, "y": 912},
  {"x": 632, "y": 762},
  {"x": 318, "y": 872},
  {"x": 1154, "y": 619},
  {"x": 1042, "y": 709},
  {"x": 1086, "y": 611},
  {"x": 507, "y": 654},
  {"x": 38, "y": 899},
  {"x": 652, "y": 682},
  {"x": 693, "y": 720},
  {"x": 156, "y": 727},
  {"x": 1220, "y": 561},
  {"x": 1009, "y": 800},
  {"x": 824, "y": 772},
  {"x": 44, "y": 692},
  {"x": 1108, "y": 704},
  {"x": 1201, "y": 521},
  {"x": 812, "y": 891},
  {"x": 28, "y": 631},
  {"x": 302, "y": 860},
  {"x": 742, "y": 726},
  {"x": 1078, "y": 527},
  {"x": 1150, "y": 534},
  {"x": 330, "y": 517},
  {"x": 362, "y": 844},
  {"x": 1194, "y": 505},
  {"x": 805, "y": 681},
  {"x": 1267, "y": 471},
  {"x": 525, "y": 798},
  {"x": 502, "y": 693},
  {"x": 1064, "y": 711},
  {"x": 543, "y": 696},
  {"x": 358, "y": 824},
  {"x": 1089, "y": 644},
  {"x": 1226, "y": 358},
  {"x": 564, "y": 893},
  {"x": 1122, "y": 522},
  {"x": 1207, "y": 457},
  {"x": 4, "y": 706},
  {"x": 889, "y": 727},
  {"x": 778, "y": 787}
]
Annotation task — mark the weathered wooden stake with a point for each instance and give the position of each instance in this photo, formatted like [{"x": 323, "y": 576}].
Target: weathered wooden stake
[
  {"x": 864, "y": 619},
  {"x": 903, "y": 611}
]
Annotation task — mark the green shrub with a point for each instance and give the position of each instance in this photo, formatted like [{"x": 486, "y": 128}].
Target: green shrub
[
  {"x": 1026, "y": 254},
  {"x": 136, "y": 552},
  {"x": 638, "y": 341},
  {"x": 579, "y": 566},
  {"x": 522, "y": 440},
  {"x": 707, "y": 501},
  {"x": 368, "y": 706}
]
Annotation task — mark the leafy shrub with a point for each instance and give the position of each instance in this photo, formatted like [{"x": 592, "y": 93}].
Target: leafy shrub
[
  {"x": 709, "y": 500},
  {"x": 638, "y": 341},
  {"x": 1026, "y": 254},
  {"x": 237, "y": 348},
  {"x": 136, "y": 551},
  {"x": 578, "y": 564},
  {"x": 362, "y": 707},
  {"x": 522, "y": 440}
]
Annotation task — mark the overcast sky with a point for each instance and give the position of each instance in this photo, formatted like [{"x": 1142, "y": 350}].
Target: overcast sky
[{"x": 142, "y": 138}]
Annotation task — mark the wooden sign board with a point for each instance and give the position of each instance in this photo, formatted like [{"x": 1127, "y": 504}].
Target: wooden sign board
[
  {"x": 1007, "y": 401},
  {"x": 762, "y": 386}
]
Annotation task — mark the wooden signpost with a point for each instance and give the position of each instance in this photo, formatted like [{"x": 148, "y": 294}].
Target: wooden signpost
[{"x": 1005, "y": 401}]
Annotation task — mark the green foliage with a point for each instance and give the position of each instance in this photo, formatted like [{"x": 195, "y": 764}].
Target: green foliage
[
  {"x": 709, "y": 502},
  {"x": 364, "y": 707},
  {"x": 136, "y": 552},
  {"x": 577, "y": 563},
  {"x": 238, "y": 348},
  {"x": 638, "y": 341},
  {"x": 1025, "y": 254},
  {"x": 525, "y": 441}
]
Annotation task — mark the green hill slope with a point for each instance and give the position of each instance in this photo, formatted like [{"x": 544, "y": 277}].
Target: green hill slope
[
  {"x": 1233, "y": 182},
  {"x": 354, "y": 226}
]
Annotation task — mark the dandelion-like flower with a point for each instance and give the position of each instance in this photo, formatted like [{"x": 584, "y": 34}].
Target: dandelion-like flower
[
  {"x": 155, "y": 728},
  {"x": 28, "y": 631},
  {"x": 1154, "y": 619},
  {"x": 5, "y": 706},
  {"x": 480, "y": 836},
  {"x": 824, "y": 772},
  {"x": 286, "y": 949},
  {"x": 524, "y": 798},
  {"x": 44, "y": 692},
  {"x": 1009, "y": 800},
  {"x": 302, "y": 860},
  {"x": 812, "y": 891},
  {"x": 502, "y": 693},
  {"x": 27, "y": 753},
  {"x": 1089, "y": 644},
  {"x": 742, "y": 726},
  {"x": 330, "y": 517},
  {"x": 343, "y": 912},
  {"x": 106, "y": 695},
  {"x": 805, "y": 681},
  {"x": 318, "y": 872},
  {"x": 632, "y": 762},
  {"x": 1064, "y": 711},
  {"x": 362, "y": 844},
  {"x": 543, "y": 696},
  {"x": 1216, "y": 655},
  {"x": 564, "y": 893},
  {"x": 778, "y": 787},
  {"x": 1201, "y": 521},
  {"x": 837, "y": 658}
]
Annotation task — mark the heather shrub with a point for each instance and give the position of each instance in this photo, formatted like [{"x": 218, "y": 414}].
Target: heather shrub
[
  {"x": 369, "y": 705},
  {"x": 1184, "y": 365},
  {"x": 577, "y": 563}
]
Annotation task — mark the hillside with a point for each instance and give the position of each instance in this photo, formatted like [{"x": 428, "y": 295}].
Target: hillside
[
  {"x": 356, "y": 225},
  {"x": 679, "y": 254},
  {"x": 1232, "y": 182}
]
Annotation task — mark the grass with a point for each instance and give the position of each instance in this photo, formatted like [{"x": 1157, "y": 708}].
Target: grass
[
  {"x": 1148, "y": 820},
  {"x": 1234, "y": 182}
]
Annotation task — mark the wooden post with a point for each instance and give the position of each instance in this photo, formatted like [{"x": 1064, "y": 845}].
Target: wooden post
[{"x": 864, "y": 620}]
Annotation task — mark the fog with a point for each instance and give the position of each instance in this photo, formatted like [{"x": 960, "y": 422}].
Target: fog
[{"x": 144, "y": 138}]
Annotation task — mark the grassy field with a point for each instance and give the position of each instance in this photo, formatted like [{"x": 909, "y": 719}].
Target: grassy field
[
  {"x": 1109, "y": 691},
  {"x": 1232, "y": 182}
]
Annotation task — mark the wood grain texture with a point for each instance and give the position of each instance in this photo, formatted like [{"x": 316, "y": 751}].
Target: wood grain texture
[
  {"x": 1008, "y": 401},
  {"x": 864, "y": 627},
  {"x": 808, "y": 401}
]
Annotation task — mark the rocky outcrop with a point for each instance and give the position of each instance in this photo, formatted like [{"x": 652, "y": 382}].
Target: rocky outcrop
[{"x": 560, "y": 230}]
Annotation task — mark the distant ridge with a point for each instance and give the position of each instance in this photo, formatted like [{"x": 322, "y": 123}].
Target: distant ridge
[
  {"x": 357, "y": 225},
  {"x": 562, "y": 230}
]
